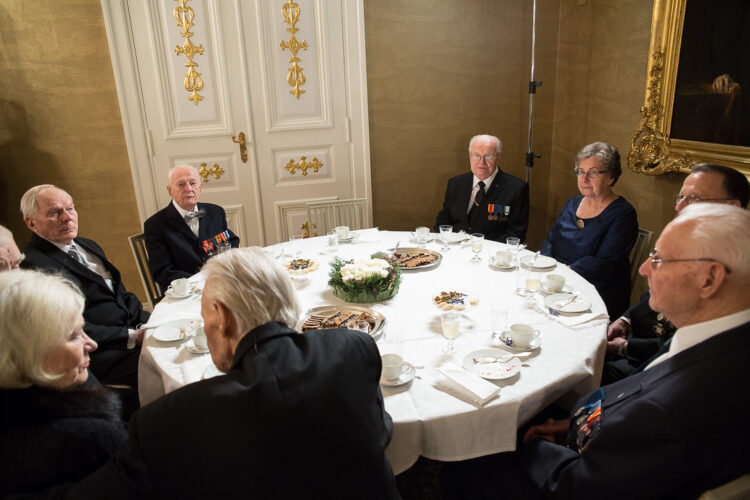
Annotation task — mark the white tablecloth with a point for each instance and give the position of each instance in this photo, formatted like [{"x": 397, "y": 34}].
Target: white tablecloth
[{"x": 428, "y": 421}]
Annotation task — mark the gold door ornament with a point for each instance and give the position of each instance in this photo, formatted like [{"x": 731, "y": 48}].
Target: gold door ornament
[
  {"x": 243, "y": 146},
  {"x": 306, "y": 228},
  {"x": 303, "y": 165},
  {"x": 295, "y": 76},
  {"x": 193, "y": 81},
  {"x": 215, "y": 170}
]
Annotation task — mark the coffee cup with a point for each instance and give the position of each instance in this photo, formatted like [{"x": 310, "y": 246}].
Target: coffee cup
[
  {"x": 200, "y": 340},
  {"x": 522, "y": 335},
  {"x": 393, "y": 366},
  {"x": 503, "y": 258},
  {"x": 343, "y": 232},
  {"x": 554, "y": 282},
  {"x": 180, "y": 286}
]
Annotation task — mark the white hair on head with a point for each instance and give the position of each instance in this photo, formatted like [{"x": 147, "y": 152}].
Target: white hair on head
[
  {"x": 722, "y": 232},
  {"x": 37, "y": 312},
  {"x": 254, "y": 287},
  {"x": 485, "y": 137},
  {"x": 29, "y": 204},
  {"x": 170, "y": 174}
]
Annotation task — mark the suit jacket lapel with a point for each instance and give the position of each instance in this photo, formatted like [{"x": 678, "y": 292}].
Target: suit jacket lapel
[
  {"x": 91, "y": 274},
  {"x": 179, "y": 223},
  {"x": 203, "y": 230}
]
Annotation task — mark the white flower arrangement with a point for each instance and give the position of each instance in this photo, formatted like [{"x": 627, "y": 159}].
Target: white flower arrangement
[{"x": 361, "y": 269}]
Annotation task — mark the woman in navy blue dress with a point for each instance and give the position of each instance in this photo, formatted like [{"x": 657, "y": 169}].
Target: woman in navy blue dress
[{"x": 595, "y": 232}]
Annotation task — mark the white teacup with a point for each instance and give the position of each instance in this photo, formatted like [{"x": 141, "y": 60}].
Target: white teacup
[
  {"x": 393, "y": 366},
  {"x": 180, "y": 286},
  {"x": 200, "y": 340},
  {"x": 342, "y": 231},
  {"x": 522, "y": 335},
  {"x": 503, "y": 258},
  {"x": 554, "y": 282}
]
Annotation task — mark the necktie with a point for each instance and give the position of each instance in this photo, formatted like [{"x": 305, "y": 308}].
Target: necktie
[
  {"x": 73, "y": 254},
  {"x": 192, "y": 215},
  {"x": 478, "y": 199}
]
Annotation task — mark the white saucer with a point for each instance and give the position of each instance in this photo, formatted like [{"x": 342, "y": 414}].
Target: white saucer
[
  {"x": 535, "y": 344},
  {"x": 578, "y": 305},
  {"x": 541, "y": 262},
  {"x": 565, "y": 289},
  {"x": 190, "y": 346},
  {"x": 351, "y": 237},
  {"x": 170, "y": 332},
  {"x": 498, "y": 266},
  {"x": 492, "y": 371},
  {"x": 405, "y": 377},
  {"x": 169, "y": 293}
]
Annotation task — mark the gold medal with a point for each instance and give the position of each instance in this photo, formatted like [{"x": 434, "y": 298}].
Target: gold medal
[{"x": 579, "y": 224}]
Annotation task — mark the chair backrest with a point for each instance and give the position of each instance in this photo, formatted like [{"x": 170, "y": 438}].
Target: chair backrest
[
  {"x": 739, "y": 489},
  {"x": 326, "y": 215},
  {"x": 153, "y": 291},
  {"x": 638, "y": 254}
]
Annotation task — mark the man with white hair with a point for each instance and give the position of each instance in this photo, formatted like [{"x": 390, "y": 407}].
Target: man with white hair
[
  {"x": 294, "y": 416},
  {"x": 184, "y": 234},
  {"x": 10, "y": 256},
  {"x": 678, "y": 428},
  {"x": 112, "y": 314},
  {"x": 486, "y": 200}
]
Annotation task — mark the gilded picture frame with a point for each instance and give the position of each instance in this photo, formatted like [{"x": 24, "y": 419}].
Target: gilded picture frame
[{"x": 652, "y": 150}]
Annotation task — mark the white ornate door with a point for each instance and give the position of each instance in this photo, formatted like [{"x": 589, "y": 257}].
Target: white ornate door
[{"x": 195, "y": 76}]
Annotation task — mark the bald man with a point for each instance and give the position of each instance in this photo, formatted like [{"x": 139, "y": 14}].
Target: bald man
[{"x": 183, "y": 235}]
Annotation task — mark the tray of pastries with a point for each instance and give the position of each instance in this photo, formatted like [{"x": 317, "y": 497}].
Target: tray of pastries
[{"x": 352, "y": 317}]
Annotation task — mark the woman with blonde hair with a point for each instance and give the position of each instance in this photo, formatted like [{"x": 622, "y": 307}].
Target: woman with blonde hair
[{"x": 53, "y": 429}]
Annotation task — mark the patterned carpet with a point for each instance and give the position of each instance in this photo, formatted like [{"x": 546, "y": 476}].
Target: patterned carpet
[{"x": 421, "y": 481}]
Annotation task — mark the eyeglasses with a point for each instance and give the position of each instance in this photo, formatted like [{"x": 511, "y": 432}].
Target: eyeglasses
[
  {"x": 488, "y": 158},
  {"x": 658, "y": 260},
  {"x": 689, "y": 200},
  {"x": 591, "y": 173}
]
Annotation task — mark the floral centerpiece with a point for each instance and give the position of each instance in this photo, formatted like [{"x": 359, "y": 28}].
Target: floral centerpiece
[{"x": 364, "y": 280}]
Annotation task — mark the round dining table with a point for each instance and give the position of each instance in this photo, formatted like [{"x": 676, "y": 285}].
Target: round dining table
[{"x": 428, "y": 419}]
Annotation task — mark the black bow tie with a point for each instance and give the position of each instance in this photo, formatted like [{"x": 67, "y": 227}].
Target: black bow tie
[{"x": 195, "y": 213}]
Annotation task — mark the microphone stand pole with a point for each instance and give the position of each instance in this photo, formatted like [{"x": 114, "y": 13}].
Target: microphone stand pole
[{"x": 532, "y": 90}]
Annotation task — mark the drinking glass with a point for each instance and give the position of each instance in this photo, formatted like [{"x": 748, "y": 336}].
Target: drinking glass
[
  {"x": 294, "y": 245},
  {"x": 533, "y": 282},
  {"x": 499, "y": 319},
  {"x": 477, "y": 239},
  {"x": 422, "y": 233},
  {"x": 521, "y": 275},
  {"x": 332, "y": 239},
  {"x": 445, "y": 230},
  {"x": 513, "y": 243},
  {"x": 451, "y": 323}
]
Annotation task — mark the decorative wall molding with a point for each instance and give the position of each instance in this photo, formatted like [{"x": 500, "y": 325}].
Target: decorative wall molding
[
  {"x": 295, "y": 75},
  {"x": 312, "y": 164},
  {"x": 193, "y": 81},
  {"x": 236, "y": 221}
]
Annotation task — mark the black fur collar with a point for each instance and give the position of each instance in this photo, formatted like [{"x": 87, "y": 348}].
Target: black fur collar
[{"x": 34, "y": 404}]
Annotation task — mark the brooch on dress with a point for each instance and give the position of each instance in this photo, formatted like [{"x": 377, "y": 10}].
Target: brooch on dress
[{"x": 579, "y": 224}]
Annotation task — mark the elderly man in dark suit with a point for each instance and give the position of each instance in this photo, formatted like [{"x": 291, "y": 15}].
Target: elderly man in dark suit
[
  {"x": 677, "y": 428},
  {"x": 642, "y": 332},
  {"x": 295, "y": 415},
  {"x": 112, "y": 314},
  {"x": 486, "y": 200},
  {"x": 181, "y": 236}
]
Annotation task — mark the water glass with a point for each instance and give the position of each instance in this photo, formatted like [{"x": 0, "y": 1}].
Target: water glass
[
  {"x": 533, "y": 282},
  {"x": 422, "y": 233},
  {"x": 477, "y": 239},
  {"x": 332, "y": 239},
  {"x": 445, "y": 230},
  {"x": 513, "y": 243},
  {"x": 499, "y": 319},
  {"x": 451, "y": 323},
  {"x": 294, "y": 245}
]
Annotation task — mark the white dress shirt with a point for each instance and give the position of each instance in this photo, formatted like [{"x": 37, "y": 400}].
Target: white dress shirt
[
  {"x": 475, "y": 189},
  {"x": 92, "y": 262},
  {"x": 688, "y": 336},
  {"x": 194, "y": 223}
]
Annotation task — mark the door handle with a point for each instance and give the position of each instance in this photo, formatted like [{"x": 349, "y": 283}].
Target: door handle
[{"x": 243, "y": 148}]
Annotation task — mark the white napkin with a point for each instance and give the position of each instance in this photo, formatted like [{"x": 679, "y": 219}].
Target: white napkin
[
  {"x": 363, "y": 235},
  {"x": 465, "y": 386}
]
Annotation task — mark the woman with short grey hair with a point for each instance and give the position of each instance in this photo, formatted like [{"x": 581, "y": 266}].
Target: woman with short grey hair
[
  {"x": 595, "y": 231},
  {"x": 52, "y": 429}
]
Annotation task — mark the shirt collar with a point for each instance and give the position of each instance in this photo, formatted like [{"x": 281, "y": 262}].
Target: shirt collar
[
  {"x": 688, "y": 336},
  {"x": 487, "y": 181},
  {"x": 181, "y": 210}
]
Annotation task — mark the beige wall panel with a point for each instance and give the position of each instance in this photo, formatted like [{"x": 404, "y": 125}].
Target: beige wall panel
[
  {"x": 439, "y": 73},
  {"x": 61, "y": 123}
]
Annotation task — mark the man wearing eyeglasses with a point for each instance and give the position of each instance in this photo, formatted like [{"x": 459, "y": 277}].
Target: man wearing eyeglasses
[
  {"x": 641, "y": 332},
  {"x": 486, "y": 200},
  {"x": 676, "y": 429},
  {"x": 10, "y": 256}
]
